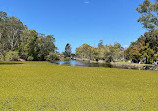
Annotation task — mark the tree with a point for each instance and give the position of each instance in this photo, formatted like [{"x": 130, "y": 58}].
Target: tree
[
  {"x": 145, "y": 49},
  {"x": 3, "y": 44},
  {"x": 3, "y": 16},
  {"x": 13, "y": 28},
  {"x": 105, "y": 52},
  {"x": 36, "y": 45},
  {"x": 46, "y": 44},
  {"x": 67, "y": 52},
  {"x": 52, "y": 56},
  {"x": 16, "y": 38},
  {"x": 84, "y": 51},
  {"x": 118, "y": 51},
  {"x": 100, "y": 44},
  {"x": 149, "y": 15}
]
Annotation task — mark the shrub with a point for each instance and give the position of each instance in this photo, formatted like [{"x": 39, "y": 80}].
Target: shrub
[
  {"x": 67, "y": 58},
  {"x": 30, "y": 58},
  {"x": 52, "y": 56},
  {"x": 12, "y": 56},
  {"x": 3, "y": 55}
]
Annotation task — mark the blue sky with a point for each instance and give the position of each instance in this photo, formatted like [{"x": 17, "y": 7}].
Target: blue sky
[{"x": 79, "y": 21}]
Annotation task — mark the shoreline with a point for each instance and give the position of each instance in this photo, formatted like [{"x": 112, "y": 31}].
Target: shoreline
[{"x": 124, "y": 64}]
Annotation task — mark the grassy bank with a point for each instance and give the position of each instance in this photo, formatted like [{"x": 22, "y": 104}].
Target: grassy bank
[
  {"x": 129, "y": 63},
  {"x": 45, "y": 86}
]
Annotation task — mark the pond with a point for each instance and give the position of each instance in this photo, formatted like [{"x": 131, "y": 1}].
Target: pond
[
  {"x": 88, "y": 64},
  {"x": 70, "y": 62}
]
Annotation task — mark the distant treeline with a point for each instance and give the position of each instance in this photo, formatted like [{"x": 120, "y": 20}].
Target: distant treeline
[
  {"x": 144, "y": 50},
  {"x": 102, "y": 52},
  {"x": 17, "y": 41}
]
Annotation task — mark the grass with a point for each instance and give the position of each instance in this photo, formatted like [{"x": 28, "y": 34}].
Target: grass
[
  {"x": 42, "y": 86},
  {"x": 129, "y": 63}
]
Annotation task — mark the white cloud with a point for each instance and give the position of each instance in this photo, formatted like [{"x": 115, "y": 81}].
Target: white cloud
[{"x": 86, "y": 1}]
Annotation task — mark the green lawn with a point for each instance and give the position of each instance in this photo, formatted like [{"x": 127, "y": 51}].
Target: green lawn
[{"x": 42, "y": 86}]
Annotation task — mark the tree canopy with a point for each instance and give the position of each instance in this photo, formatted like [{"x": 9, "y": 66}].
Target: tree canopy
[
  {"x": 149, "y": 15},
  {"x": 16, "y": 37},
  {"x": 103, "y": 52},
  {"x": 145, "y": 49},
  {"x": 67, "y": 52}
]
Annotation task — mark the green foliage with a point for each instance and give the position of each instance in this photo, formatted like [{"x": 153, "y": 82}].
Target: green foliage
[
  {"x": 149, "y": 12},
  {"x": 145, "y": 48},
  {"x": 87, "y": 51},
  {"x": 106, "y": 52},
  {"x": 100, "y": 44},
  {"x": 67, "y": 58},
  {"x": 45, "y": 46},
  {"x": 12, "y": 56},
  {"x": 73, "y": 55},
  {"x": 30, "y": 58},
  {"x": 52, "y": 56},
  {"x": 3, "y": 55},
  {"x": 14, "y": 36},
  {"x": 67, "y": 52},
  {"x": 35, "y": 86}
]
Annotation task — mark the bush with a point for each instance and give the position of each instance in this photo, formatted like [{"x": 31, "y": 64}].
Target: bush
[
  {"x": 30, "y": 58},
  {"x": 67, "y": 58},
  {"x": 109, "y": 59},
  {"x": 3, "y": 55},
  {"x": 12, "y": 56},
  {"x": 52, "y": 56}
]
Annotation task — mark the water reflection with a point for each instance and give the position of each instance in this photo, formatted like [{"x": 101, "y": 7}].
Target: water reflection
[
  {"x": 82, "y": 63},
  {"x": 88, "y": 64},
  {"x": 70, "y": 62}
]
